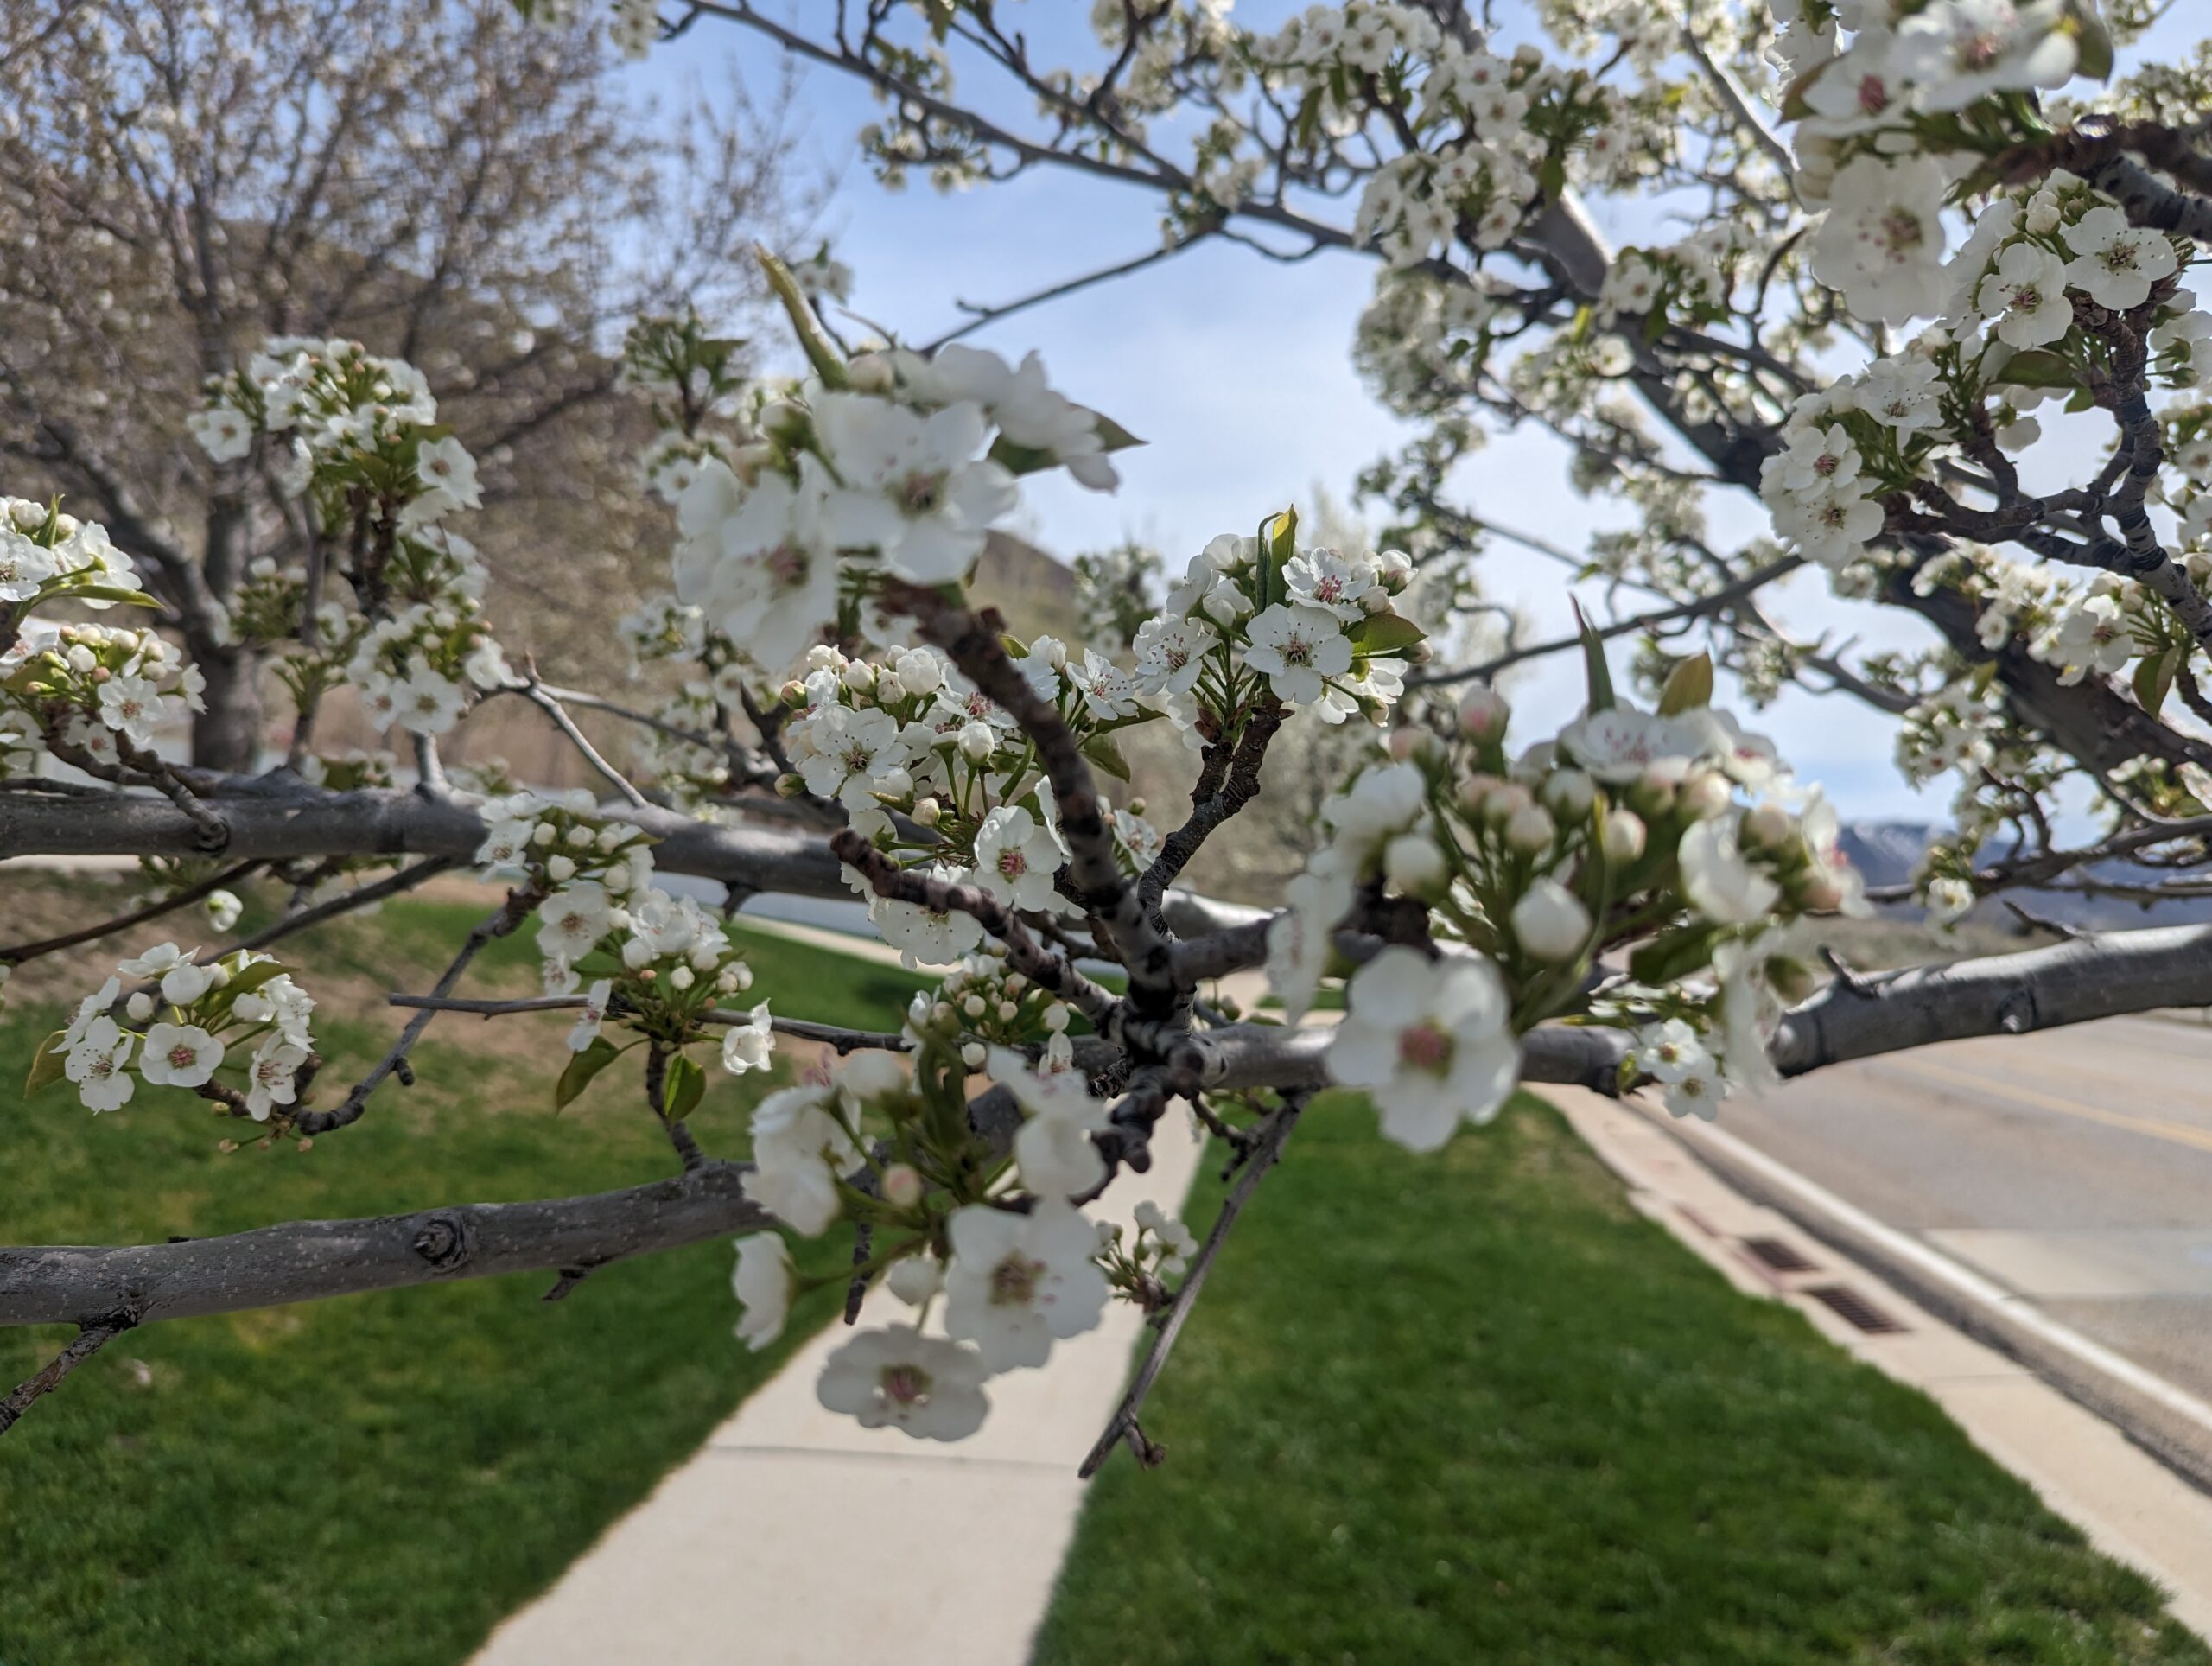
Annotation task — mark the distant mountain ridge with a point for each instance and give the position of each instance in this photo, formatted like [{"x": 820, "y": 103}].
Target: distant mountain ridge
[{"x": 1887, "y": 853}]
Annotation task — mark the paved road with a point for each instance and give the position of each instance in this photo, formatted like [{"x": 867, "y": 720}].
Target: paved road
[{"x": 2074, "y": 1167}]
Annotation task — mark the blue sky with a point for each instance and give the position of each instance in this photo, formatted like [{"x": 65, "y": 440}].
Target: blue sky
[{"x": 1237, "y": 372}]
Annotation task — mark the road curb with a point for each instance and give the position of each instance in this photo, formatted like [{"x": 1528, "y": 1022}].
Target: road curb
[
  {"x": 2170, "y": 1424},
  {"x": 2089, "y": 1449}
]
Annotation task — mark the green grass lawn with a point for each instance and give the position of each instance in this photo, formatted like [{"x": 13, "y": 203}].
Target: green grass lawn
[
  {"x": 1472, "y": 1408},
  {"x": 378, "y": 1480}
]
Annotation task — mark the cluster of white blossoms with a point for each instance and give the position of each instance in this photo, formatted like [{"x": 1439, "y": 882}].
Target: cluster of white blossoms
[
  {"x": 1489, "y": 130},
  {"x": 1823, "y": 489},
  {"x": 1689, "y": 279},
  {"x": 1309, "y": 626},
  {"x": 89, "y": 693},
  {"x": 46, "y": 556},
  {"x": 357, "y": 437},
  {"x": 942, "y": 778},
  {"x": 85, "y": 692},
  {"x": 992, "y": 1006},
  {"x": 997, "y": 1251},
  {"x": 234, "y": 1029},
  {"x": 1625, "y": 827},
  {"x": 887, "y": 467}
]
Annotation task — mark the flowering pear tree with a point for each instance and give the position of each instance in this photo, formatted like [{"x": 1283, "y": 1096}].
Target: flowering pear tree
[{"x": 1625, "y": 895}]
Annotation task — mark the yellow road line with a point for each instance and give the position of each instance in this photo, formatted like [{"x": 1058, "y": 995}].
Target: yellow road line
[{"x": 2157, "y": 1128}]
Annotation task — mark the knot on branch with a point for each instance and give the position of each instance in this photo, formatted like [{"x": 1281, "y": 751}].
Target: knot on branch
[
  {"x": 2015, "y": 1015},
  {"x": 446, "y": 1242}
]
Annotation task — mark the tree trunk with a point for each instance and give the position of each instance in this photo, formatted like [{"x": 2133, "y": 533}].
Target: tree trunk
[{"x": 228, "y": 735}]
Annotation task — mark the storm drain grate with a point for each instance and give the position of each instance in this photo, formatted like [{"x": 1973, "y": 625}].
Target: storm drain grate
[
  {"x": 1782, "y": 1257},
  {"x": 1855, "y": 1309}
]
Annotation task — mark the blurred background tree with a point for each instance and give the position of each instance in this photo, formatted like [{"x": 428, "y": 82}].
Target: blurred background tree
[{"x": 182, "y": 178}]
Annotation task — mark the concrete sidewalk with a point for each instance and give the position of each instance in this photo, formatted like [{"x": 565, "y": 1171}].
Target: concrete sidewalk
[
  {"x": 2131, "y": 1506},
  {"x": 798, "y": 1536}
]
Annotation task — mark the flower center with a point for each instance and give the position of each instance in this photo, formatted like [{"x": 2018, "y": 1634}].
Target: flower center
[
  {"x": 1902, "y": 231},
  {"x": 921, "y": 493},
  {"x": 1012, "y": 864},
  {"x": 1013, "y": 1281},
  {"x": 1297, "y": 652},
  {"x": 905, "y": 1385},
  {"x": 180, "y": 1057},
  {"x": 1873, "y": 95},
  {"x": 1426, "y": 1047},
  {"x": 786, "y": 565}
]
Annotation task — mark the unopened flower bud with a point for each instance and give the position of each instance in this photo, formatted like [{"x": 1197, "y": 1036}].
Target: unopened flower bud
[
  {"x": 902, "y": 1184},
  {"x": 1705, "y": 795},
  {"x": 558, "y": 868},
  {"x": 682, "y": 977},
  {"x": 973, "y": 1055},
  {"x": 1475, "y": 789},
  {"x": 1056, "y": 1017},
  {"x": 789, "y": 787},
  {"x": 1820, "y": 894},
  {"x": 1766, "y": 827},
  {"x": 1483, "y": 714},
  {"x": 1413, "y": 864},
  {"x": 869, "y": 373},
  {"x": 1506, "y": 800},
  {"x": 140, "y": 1007},
  {"x": 1550, "y": 923},
  {"x": 1530, "y": 827},
  {"x": 793, "y": 693},
  {"x": 928, "y": 812},
  {"x": 1623, "y": 840},
  {"x": 1570, "y": 792}
]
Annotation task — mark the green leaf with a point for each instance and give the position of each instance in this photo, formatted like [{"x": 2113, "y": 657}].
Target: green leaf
[
  {"x": 687, "y": 1085},
  {"x": 1102, "y": 751},
  {"x": 46, "y": 1064},
  {"x": 585, "y": 1065},
  {"x": 1672, "y": 955},
  {"x": 2154, "y": 678},
  {"x": 1020, "y": 459},
  {"x": 2096, "y": 59},
  {"x": 252, "y": 977},
  {"x": 820, "y": 352},
  {"x": 109, "y": 593},
  {"x": 1385, "y": 634},
  {"x": 1689, "y": 686},
  {"x": 1112, "y": 436},
  {"x": 1593, "y": 661},
  {"x": 2037, "y": 368}
]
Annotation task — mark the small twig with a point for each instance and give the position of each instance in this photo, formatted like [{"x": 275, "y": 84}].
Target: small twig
[
  {"x": 23, "y": 952},
  {"x": 830, "y": 1035},
  {"x": 1266, "y": 1150},
  {"x": 687, "y": 1148},
  {"x": 89, "y": 1341},
  {"x": 570, "y": 1277},
  {"x": 359, "y": 897},
  {"x": 542, "y": 697},
  {"x": 498, "y": 923}
]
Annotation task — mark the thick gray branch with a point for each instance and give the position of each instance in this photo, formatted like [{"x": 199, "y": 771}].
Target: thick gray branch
[{"x": 306, "y": 1261}]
